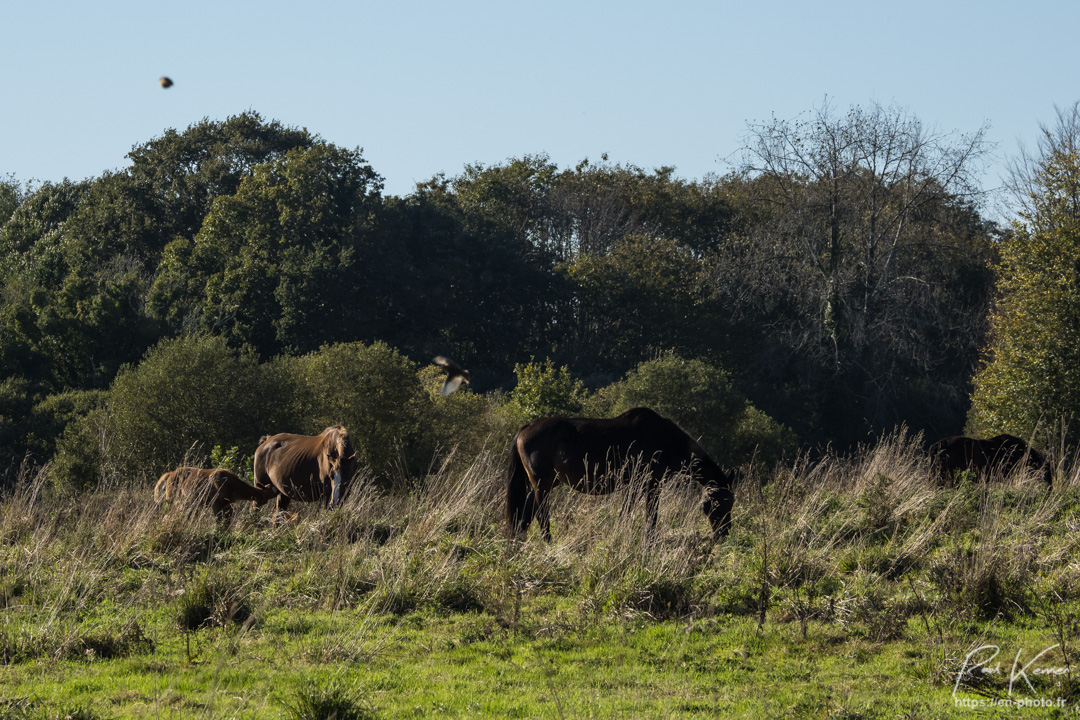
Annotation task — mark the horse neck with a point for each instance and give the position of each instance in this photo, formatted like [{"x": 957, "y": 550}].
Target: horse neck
[{"x": 709, "y": 473}]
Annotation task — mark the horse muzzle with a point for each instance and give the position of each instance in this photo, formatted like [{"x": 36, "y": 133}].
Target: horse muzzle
[{"x": 336, "y": 488}]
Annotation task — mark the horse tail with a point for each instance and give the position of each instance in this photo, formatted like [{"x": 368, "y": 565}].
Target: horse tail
[
  {"x": 162, "y": 489},
  {"x": 520, "y": 500}
]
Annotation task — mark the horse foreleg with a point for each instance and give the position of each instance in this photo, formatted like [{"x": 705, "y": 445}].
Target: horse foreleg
[{"x": 652, "y": 506}]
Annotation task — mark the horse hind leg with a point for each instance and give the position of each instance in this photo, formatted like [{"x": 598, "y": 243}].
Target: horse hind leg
[
  {"x": 525, "y": 515},
  {"x": 542, "y": 503}
]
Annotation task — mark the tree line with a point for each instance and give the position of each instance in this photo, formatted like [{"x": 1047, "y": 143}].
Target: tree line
[{"x": 841, "y": 279}]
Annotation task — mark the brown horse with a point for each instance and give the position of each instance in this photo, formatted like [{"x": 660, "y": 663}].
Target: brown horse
[
  {"x": 217, "y": 488},
  {"x": 305, "y": 467},
  {"x": 597, "y": 456},
  {"x": 1003, "y": 452}
]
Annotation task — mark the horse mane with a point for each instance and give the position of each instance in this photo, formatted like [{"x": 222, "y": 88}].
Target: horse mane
[{"x": 338, "y": 435}]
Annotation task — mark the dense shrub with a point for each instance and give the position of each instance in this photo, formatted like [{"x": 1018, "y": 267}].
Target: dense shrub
[
  {"x": 464, "y": 423},
  {"x": 544, "y": 391},
  {"x": 374, "y": 391},
  {"x": 185, "y": 397}
]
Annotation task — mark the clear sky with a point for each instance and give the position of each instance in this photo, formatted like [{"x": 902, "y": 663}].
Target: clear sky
[{"x": 428, "y": 87}]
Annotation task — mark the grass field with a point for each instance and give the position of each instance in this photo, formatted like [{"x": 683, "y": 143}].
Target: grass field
[{"x": 849, "y": 588}]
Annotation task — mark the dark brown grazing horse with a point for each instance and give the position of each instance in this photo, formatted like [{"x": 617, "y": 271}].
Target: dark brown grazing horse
[
  {"x": 305, "y": 467},
  {"x": 1002, "y": 452},
  {"x": 217, "y": 488},
  {"x": 597, "y": 456}
]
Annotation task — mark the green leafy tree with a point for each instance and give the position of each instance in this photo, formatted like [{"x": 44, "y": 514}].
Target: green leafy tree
[
  {"x": 77, "y": 259},
  {"x": 11, "y": 194},
  {"x": 181, "y": 173},
  {"x": 32, "y": 266},
  {"x": 1029, "y": 384},
  {"x": 279, "y": 265},
  {"x": 643, "y": 296},
  {"x": 484, "y": 290}
]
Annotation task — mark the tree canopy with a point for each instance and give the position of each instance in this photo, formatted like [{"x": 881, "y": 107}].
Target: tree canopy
[
  {"x": 833, "y": 286},
  {"x": 1029, "y": 384}
]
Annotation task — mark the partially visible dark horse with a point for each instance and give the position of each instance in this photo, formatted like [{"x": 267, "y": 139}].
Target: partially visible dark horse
[
  {"x": 1003, "y": 452},
  {"x": 217, "y": 488},
  {"x": 598, "y": 456},
  {"x": 305, "y": 467}
]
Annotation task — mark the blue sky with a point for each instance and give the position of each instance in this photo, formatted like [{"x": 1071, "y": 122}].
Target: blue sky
[{"x": 426, "y": 87}]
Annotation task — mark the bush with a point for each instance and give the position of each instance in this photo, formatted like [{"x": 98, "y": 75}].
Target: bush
[
  {"x": 465, "y": 423},
  {"x": 188, "y": 394},
  {"x": 373, "y": 390},
  {"x": 544, "y": 391},
  {"x": 329, "y": 702},
  {"x": 15, "y": 403},
  {"x": 214, "y": 598}
]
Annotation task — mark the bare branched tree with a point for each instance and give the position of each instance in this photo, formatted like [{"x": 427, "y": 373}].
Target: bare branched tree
[
  {"x": 864, "y": 232},
  {"x": 1025, "y": 179}
]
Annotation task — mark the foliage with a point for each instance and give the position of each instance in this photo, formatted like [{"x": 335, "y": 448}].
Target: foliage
[
  {"x": 643, "y": 296},
  {"x": 11, "y": 195},
  {"x": 864, "y": 267},
  {"x": 273, "y": 265},
  {"x": 51, "y": 418},
  {"x": 1029, "y": 381},
  {"x": 184, "y": 172},
  {"x": 545, "y": 391},
  {"x": 464, "y": 424},
  {"x": 15, "y": 404},
  {"x": 840, "y": 277},
  {"x": 77, "y": 259},
  {"x": 372, "y": 390},
  {"x": 476, "y": 283},
  {"x": 187, "y": 396}
]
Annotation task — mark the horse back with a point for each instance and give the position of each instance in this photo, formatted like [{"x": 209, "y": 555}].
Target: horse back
[
  {"x": 575, "y": 447},
  {"x": 266, "y": 455},
  {"x": 180, "y": 482},
  {"x": 230, "y": 487},
  {"x": 1005, "y": 451},
  {"x": 298, "y": 455}
]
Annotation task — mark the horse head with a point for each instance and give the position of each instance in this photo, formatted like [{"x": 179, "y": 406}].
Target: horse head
[{"x": 337, "y": 461}]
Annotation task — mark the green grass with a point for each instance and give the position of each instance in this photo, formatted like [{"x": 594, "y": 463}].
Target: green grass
[
  {"x": 424, "y": 664},
  {"x": 849, "y": 588}
]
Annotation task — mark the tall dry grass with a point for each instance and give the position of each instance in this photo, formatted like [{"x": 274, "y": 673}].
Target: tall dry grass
[{"x": 870, "y": 544}]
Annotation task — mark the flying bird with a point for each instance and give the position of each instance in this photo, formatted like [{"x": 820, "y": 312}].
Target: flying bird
[
  {"x": 455, "y": 374},
  {"x": 165, "y": 82}
]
